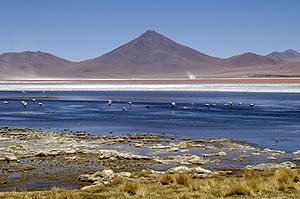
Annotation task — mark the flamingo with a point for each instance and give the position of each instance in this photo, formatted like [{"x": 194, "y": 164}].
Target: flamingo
[
  {"x": 173, "y": 104},
  {"x": 24, "y": 104}
]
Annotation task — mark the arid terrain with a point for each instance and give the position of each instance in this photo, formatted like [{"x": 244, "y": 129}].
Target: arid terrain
[{"x": 151, "y": 55}]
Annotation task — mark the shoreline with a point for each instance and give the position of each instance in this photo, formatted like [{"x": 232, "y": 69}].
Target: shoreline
[
  {"x": 270, "y": 85},
  {"x": 171, "y": 80},
  {"x": 40, "y": 160}
]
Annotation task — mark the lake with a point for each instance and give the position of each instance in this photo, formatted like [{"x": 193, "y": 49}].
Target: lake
[{"x": 274, "y": 120}]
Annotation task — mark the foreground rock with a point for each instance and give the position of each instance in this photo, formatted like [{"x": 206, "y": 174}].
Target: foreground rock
[
  {"x": 113, "y": 155},
  {"x": 268, "y": 166}
]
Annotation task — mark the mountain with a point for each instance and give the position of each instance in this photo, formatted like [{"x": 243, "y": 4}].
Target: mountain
[
  {"x": 288, "y": 54},
  {"x": 32, "y": 64},
  {"x": 250, "y": 59},
  {"x": 151, "y": 54}
]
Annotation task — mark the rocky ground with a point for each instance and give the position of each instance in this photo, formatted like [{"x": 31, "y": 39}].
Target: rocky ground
[{"x": 31, "y": 160}]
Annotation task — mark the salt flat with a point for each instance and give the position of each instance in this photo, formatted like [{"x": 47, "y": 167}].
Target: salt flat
[{"x": 129, "y": 86}]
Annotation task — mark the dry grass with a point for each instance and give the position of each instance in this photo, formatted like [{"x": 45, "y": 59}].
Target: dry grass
[
  {"x": 183, "y": 179},
  {"x": 166, "y": 179},
  {"x": 283, "y": 183},
  {"x": 286, "y": 179},
  {"x": 143, "y": 173},
  {"x": 130, "y": 188}
]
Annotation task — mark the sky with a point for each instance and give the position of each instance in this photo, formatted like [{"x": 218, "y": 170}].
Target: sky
[{"x": 83, "y": 29}]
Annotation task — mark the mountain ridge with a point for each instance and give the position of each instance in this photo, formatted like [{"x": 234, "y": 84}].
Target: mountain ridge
[
  {"x": 287, "y": 54},
  {"x": 149, "y": 55}
]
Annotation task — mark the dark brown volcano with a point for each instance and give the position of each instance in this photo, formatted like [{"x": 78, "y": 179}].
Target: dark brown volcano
[{"x": 151, "y": 54}]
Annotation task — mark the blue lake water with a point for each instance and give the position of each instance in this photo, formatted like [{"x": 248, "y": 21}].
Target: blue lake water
[{"x": 273, "y": 122}]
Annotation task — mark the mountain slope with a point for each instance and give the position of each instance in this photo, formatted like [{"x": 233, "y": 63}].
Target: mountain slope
[
  {"x": 250, "y": 59},
  {"x": 288, "y": 54},
  {"x": 149, "y": 55},
  {"x": 32, "y": 64}
]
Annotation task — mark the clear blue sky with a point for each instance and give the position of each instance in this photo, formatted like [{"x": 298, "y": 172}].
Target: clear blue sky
[{"x": 83, "y": 29}]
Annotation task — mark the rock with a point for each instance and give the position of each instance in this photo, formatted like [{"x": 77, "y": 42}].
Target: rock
[
  {"x": 296, "y": 152},
  {"x": 220, "y": 153},
  {"x": 185, "y": 169},
  {"x": 138, "y": 145},
  {"x": 72, "y": 158},
  {"x": 183, "y": 160},
  {"x": 266, "y": 166},
  {"x": 274, "y": 152},
  {"x": 193, "y": 159},
  {"x": 11, "y": 158},
  {"x": 160, "y": 146},
  {"x": 173, "y": 149},
  {"x": 110, "y": 154},
  {"x": 2, "y": 158},
  {"x": 86, "y": 178},
  {"x": 106, "y": 183},
  {"x": 96, "y": 177},
  {"x": 107, "y": 173},
  {"x": 271, "y": 158},
  {"x": 201, "y": 170},
  {"x": 40, "y": 154},
  {"x": 123, "y": 175},
  {"x": 180, "y": 169},
  {"x": 89, "y": 187},
  {"x": 69, "y": 151}
]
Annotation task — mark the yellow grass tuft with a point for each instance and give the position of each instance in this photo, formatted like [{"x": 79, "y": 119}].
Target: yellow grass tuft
[
  {"x": 236, "y": 187},
  {"x": 183, "y": 179},
  {"x": 142, "y": 192},
  {"x": 130, "y": 188},
  {"x": 166, "y": 179},
  {"x": 253, "y": 179},
  {"x": 286, "y": 178}
]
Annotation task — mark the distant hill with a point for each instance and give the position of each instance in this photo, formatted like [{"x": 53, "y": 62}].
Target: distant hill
[
  {"x": 250, "y": 59},
  {"x": 288, "y": 54},
  {"x": 32, "y": 64},
  {"x": 151, "y": 55}
]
